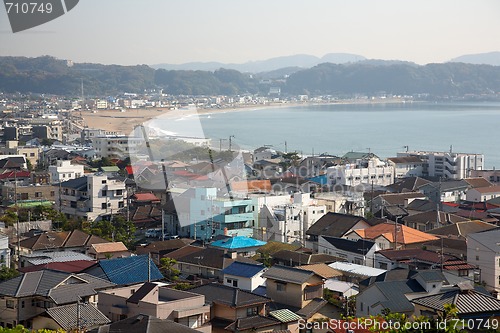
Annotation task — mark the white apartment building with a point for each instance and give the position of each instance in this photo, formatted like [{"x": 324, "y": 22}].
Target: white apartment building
[
  {"x": 371, "y": 171},
  {"x": 483, "y": 250},
  {"x": 406, "y": 166},
  {"x": 289, "y": 222},
  {"x": 115, "y": 146},
  {"x": 448, "y": 165},
  {"x": 64, "y": 170},
  {"x": 91, "y": 196}
]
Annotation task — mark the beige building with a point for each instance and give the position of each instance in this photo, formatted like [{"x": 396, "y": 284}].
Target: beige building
[
  {"x": 152, "y": 299},
  {"x": 13, "y": 148}
]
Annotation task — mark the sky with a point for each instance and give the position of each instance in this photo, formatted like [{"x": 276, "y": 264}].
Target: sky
[{"x": 130, "y": 32}]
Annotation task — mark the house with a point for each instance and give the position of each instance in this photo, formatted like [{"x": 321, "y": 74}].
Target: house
[
  {"x": 232, "y": 309},
  {"x": 360, "y": 251},
  {"x": 73, "y": 266},
  {"x": 43, "y": 258},
  {"x": 298, "y": 257},
  {"x": 396, "y": 295},
  {"x": 391, "y": 236},
  {"x": 76, "y": 241},
  {"x": 293, "y": 286},
  {"x": 30, "y": 295},
  {"x": 208, "y": 263},
  {"x": 483, "y": 251},
  {"x": 470, "y": 304},
  {"x": 481, "y": 194},
  {"x": 63, "y": 318},
  {"x": 242, "y": 245},
  {"x": 143, "y": 323},
  {"x": 244, "y": 276},
  {"x": 420, "y": 259},
  {"x": 159, "y": 249},
  {"x": 333, "y": 225},
  {"x": 108, "y": 250},
  {"x": 4, "y": 250},
  {"x": 323, "y": 270},
  {"x": 153, "y": 299},
  {"x": 365, "y": 171},
  {"x": 445, "y": 191},
  {"x": 402, "y": 200},
  {"x": 426, "y": 221},
  {"x": 126, "y": 271}
]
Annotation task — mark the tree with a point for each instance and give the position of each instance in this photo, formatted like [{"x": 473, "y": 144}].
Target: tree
[
  {"x": 7, "y": 273},
  {"x": 167, "y": 267},
  {"x": 9, "y": 218}
]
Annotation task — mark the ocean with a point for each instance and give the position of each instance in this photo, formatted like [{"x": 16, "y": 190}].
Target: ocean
[{"x": 383, "y": 129}]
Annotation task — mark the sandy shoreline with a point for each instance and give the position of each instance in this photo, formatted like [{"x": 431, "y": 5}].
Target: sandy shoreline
[{"x": 124, "y": 122}]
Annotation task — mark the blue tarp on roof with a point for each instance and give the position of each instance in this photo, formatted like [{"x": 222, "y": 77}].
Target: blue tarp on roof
[
  {"x": 322, "y": 180},
  {"x": 238, "y": 242},
  {"x": 130, "y": 270},
  {"x": 243, "y": 269}
]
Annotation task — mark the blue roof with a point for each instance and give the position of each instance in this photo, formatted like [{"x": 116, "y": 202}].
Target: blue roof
[
  {"x": 322, "y": 180},
  {"x": 243, "y": 269},
  {"x": 129, "y": 270},
  {"x": 238, "y": 242}
]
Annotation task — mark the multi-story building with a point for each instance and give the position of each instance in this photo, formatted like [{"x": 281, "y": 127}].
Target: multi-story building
[
  {"x": 64, "y": 170},
  {"x": 22, "y": 192},
  {"x": 31, "y": 153},
  {"x": 448, "y": 165},
  {"x": 91, "y": 196},
  {"x": 4, "y": 250},
  {"x": 211, "y": 215},
  {"x": 483, "y": 251},
  {"x": 367, "y": 172},
  {"x": 406, "y": 166},
  {"x": 153, "y": 299},
  {"x": 115, "y": 146}
]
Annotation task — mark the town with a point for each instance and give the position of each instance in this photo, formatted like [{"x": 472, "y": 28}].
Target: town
[{"x": 106, "y": 229}]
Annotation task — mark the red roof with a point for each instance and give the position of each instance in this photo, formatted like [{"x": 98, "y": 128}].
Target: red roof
[
  {"x": 15, "y": 174},
  {"x": 76, "y": 266},
  {"x": 145, "y": 197}
]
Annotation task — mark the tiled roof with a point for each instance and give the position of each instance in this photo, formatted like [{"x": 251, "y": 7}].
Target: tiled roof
[
  {"x": 55, "y": 257},
  {"x": 69, "y": 266},
  {"x": 359, "y": 246},
  {"x": 145, "y": 197},
  {"x": 183, "y": 251},
  {"x": 66, "y": 239},
  {"x": 125, "y": 271},
  {"x": 251, "y": 323},
  {"x": 238, "y": 242},
  {"x": 463, "y": 229},
  {"x": 400, "y": 198},
  {"x": 323, "y": 270},
  {"x": 251, "y": 185},
  {"x": 243, "y": 269},
  {"x": 313, "y": 307},
  {"x": 144, "y": 324},
  {"x": 66, "y": 316},
  {"x": 467, "y": 302},
  {"x": 164, "y": 246},
  {"x": 432, "y": 217},
  {"x": 229, "y": 296},
  {"x": 404, "y": 234},
  {"x": 414, "y": 254},
  {"x": 334, "y": 224},
  {"x": 478, "y": 182},
  {"x": 395, "y": 292},
  {"x": 288, "y": 274}
]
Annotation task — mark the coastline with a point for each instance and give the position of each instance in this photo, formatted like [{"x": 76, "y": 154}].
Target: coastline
[{"x": 123, "y": 122}]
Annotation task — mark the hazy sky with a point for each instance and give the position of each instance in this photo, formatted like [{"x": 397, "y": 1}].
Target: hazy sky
[{"x": 179, "y": 31}]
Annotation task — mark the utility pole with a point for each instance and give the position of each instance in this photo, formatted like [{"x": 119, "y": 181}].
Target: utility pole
[
  {"x": 17, "y": 219},
  {"x": 78, "y": 315},
  {"x": 286, "y": 148},
  {"x": 220, "y": 144}
]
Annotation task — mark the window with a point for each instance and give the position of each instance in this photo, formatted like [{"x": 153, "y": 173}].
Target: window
[
  {"x": 104, "y": 193},
  {"x": 32, "y": 154},
  {"x": 280, "y": 286},
  {"x": 52, "y": 193},
  {"x": 23, "y": 304},
  {"x": 235, "y": 283},
  {"x": 38, "y": 194},
  {"x": 10, "y": 304},
  {"x": 33, "y": 303},
  {"x": 253, "y": 311},
  {"x": 104, "y": 181},
  {"x": 103, "y": 205},
  {"x": 121, "y": 204},
  {"x": 361, "y": 306},
  {"x": 119, "y": 192},
  {"x": 477, "y": 257}
]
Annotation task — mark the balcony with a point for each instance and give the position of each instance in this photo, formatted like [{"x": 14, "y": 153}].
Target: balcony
[{"x": 231, "y": 218}]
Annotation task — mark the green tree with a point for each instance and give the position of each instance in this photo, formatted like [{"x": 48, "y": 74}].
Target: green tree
[
  {"x": 9, "y": 218},
  {"x": 167, "y": 267},
  {"x": 7, "y": 273}
]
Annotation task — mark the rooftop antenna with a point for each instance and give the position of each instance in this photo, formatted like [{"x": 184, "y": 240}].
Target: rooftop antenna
[{"x": 83, "y": 100}]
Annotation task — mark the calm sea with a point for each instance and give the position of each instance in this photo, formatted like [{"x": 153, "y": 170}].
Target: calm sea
[{"x": 383, "y": 129}]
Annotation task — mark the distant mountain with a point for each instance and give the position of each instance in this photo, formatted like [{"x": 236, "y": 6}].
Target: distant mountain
[
  {"x": 55, "y": 76},
  {"x": 298, "y": 60},
  {"x": 491, "y": 58}
]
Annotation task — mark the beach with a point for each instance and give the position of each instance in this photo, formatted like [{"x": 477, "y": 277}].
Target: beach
[{"x": 123, "y": 122}]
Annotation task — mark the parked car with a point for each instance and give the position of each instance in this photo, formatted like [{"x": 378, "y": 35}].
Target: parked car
[{"x": 153, "y": 233}]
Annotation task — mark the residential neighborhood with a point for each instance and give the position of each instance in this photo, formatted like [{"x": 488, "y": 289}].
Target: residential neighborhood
[{"x": 97, "y": 233}]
